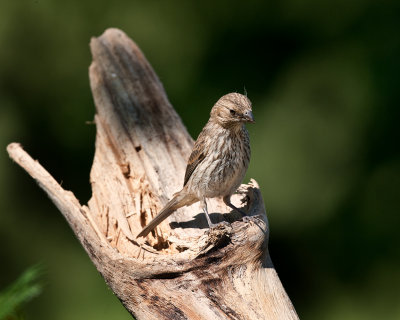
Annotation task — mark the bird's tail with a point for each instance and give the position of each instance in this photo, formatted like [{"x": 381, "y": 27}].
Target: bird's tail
[{"x": 179, "y": 200}]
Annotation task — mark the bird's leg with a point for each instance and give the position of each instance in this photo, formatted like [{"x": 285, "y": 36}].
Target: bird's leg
[
  {"x": 204, "y": 207},
  {"x": 227, "y": 200}
]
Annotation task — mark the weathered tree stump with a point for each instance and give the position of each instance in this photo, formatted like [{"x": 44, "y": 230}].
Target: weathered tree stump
[{"x": 181, "y": 270}]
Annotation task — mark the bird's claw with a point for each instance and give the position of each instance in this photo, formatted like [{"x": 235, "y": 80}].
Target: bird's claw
[
  {"x": 223, "y": 223},
  {"x": 219, "y": 224}
]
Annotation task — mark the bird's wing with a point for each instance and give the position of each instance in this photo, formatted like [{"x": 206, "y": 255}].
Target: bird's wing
[{"x": 197, "y": 156}]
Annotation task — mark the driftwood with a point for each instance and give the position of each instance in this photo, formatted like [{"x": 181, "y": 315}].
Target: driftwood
[{"x": 182, "y": 270}]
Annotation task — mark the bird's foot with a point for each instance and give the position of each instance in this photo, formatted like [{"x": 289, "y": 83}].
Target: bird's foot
[
  {"x": 223, "y": 223},
  {"x": 219, "y": 225}
]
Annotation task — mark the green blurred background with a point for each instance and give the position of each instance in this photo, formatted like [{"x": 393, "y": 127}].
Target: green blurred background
[{"x": 324, "y": 80}]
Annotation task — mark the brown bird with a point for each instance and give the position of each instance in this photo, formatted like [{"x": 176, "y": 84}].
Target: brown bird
[{"x": 219, "y": 159}]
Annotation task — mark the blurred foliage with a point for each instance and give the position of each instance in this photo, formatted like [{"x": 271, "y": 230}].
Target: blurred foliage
[
  {"x": 324, "y": 80},
  {"x": 19, "y": 292}
]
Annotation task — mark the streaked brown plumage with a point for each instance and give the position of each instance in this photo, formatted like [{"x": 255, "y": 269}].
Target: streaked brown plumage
[{"x": 219, "y": 159}]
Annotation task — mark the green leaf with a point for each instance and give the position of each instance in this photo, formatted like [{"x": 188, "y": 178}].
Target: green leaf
[{"x": 23, "y": 289}]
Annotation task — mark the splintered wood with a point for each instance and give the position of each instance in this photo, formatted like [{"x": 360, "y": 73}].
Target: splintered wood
[{"x": 182, "y": 270}]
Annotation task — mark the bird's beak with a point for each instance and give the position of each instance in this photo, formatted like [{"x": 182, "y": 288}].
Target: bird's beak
[{"x": 248, "y": 116}]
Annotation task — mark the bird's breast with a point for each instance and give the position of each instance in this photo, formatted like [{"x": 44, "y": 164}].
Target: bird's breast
[{"x": 224, "y": 167}]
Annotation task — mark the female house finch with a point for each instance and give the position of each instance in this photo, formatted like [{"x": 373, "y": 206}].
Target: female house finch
[{"x": 219, "y": 159}]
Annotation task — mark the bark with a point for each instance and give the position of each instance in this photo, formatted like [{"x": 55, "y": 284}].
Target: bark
[{"x": 182, "y": 270}]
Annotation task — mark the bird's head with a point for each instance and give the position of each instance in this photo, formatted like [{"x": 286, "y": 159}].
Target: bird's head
[{"x": 232, "y": 110}]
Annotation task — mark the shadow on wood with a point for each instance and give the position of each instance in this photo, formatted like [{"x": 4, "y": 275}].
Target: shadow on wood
[{"x": 181, "y": 270}]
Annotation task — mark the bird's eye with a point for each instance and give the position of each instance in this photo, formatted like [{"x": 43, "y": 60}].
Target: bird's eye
[{"x": 232, "y": 112}]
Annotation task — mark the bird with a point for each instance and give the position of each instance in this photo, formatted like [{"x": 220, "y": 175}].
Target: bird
[{"x": 218, "y": 162}]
